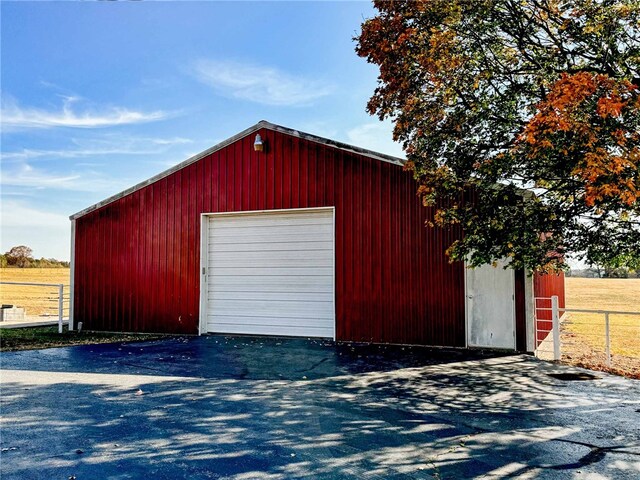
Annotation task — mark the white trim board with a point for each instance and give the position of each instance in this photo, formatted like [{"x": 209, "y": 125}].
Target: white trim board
[{"x": 72, "y": 275}]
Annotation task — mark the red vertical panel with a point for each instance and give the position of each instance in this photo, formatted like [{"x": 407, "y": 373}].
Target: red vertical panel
[
  {"x": 321, "y": 178},
  {"x": 153, "y": 260},
  {"x": 365, "y": 258},
  {"x": 393, "y": 334},
  {"x": 90, "y": 294},
  {"x": 107, "y": 303},
  {"x": 261, "y": 193},
  {"x": 171, "y": 273},
  {"x": 140, "y": 277},
  {"x": 123, "y": 292},
  {"x": 80, "y": 297},
  {"x": 285, "y": 142},
  {"x": 159, "y": 258},
  {"x": 271, "y": 180},
  {"x": 295, "y": 171},
  {"x": 546, "y": 286},
  {"x": 303, "y": 175},
  {"x": 350, "y": 239},
  {"x": 178, "y": 240},
  {"x": 215, "y": 178},
  {"x": 311, "y": 150},
  {"x": 237, "y": 160},
  {"x": 134, "y": 244},
  {"x": 123, "y": 255},
  {"x": 385, "y": 241},
  {"x": 222, "y": 182},
  {"x": 206, "y": 185},
  {"x": 339, "y": 233},
  {"x": 278, "y": 161},
  {"x": 85, "y": 267},
  {"x": 99, "y": 305},
  {"x": 114, "y": 258},
  {"x": 254, "y": 178},
  {"x": 247, "y": 149},
  {"x": 183, "y": 253},
  {"x": 230, "y": 184},
  {"x": 187, "y": 317},
  {"x": 191, "y": 323}
]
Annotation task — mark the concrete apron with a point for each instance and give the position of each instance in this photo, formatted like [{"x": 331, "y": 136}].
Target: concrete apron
[{"x": 243, "y": 407}]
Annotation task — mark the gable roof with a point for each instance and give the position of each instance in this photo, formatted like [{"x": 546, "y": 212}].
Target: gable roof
[{"x": 262, "y": 124}]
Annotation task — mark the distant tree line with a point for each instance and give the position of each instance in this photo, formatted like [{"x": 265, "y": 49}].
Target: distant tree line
[
  {"x": 598, "y": 271},
  {"x": 627, "y": 266},
  {"x": 22, "y": 257}
]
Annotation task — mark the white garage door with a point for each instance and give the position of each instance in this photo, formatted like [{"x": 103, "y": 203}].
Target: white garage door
[{"x": 271, "y": 273}]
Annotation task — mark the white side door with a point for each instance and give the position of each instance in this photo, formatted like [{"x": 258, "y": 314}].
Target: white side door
[{"x": 491, "y": 307}]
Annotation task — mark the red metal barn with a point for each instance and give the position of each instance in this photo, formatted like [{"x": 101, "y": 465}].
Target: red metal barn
[{"x": 307, "y": 237}]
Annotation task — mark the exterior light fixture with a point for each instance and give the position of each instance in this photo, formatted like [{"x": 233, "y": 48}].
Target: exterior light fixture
[{"x": 258, "y": 145}]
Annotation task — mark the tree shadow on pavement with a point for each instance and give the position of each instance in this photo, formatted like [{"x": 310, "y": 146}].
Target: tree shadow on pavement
[{"x": 414, "y": 416}]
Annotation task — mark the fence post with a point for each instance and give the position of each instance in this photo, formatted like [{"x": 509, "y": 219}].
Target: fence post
[
  {"x": 555, "y": 319},
  {"x": 60, "y": 306},
  {"x": 607, "y": 338}
]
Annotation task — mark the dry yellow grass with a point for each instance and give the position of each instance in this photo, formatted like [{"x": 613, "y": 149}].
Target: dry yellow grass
[
  {"x": 605, "y": 294},
  {"x": 36, "y": 300}
]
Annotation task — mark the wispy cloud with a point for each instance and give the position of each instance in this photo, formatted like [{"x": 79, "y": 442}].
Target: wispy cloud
[
  {"x": 375, "y": 136},
  {"x": 260, "y": 84},
  {"x": 27, "y": 176},
  {"x": 108, "y": 145},
  {"x": 18, "y": 214},
  {"x": 15, "y": 116}
]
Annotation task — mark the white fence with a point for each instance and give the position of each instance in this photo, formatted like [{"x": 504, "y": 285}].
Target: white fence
[
  {"x": 572, "y": 333},
  {"x": 39, "y": 300}
]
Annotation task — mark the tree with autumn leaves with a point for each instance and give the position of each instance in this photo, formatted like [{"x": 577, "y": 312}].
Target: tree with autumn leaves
[{"x": 520, "y": 120}]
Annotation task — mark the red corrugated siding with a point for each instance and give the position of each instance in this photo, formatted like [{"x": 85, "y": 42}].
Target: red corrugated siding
[
  {"x": 137, "y": 259},
  {"x": 545, "y": 286}
]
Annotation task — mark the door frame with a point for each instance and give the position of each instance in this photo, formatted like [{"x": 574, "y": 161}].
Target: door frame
[
  {"x": 467, "y": 313},
  {"x": 204, "y": 254}
]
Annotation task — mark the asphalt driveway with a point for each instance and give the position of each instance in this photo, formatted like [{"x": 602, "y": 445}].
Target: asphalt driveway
[{"x": 266, "y": 408}]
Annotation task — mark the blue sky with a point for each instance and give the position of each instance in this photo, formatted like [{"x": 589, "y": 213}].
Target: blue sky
[{"x": 99, "y": 96}]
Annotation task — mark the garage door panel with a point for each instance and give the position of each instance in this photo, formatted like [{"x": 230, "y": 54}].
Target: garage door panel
[
  {"x": 319, "y": 322},
  {"x": 271, "y": 274},
  {"x": 271, "y": 246},
  {"x": 272, "y": 271},
  {"x": 270, "y": 227},
  {"x": 273, "y": 236},
  {"x": 268, "y": 296},
  {"x": 271, "y": 263},
  {"x": 260, "y": 257},
  {"x": 274, "y": 284},
  {"x": 285, "y": 308},
  {"x": 274, "y": 221},
  {"x": 233, "y": 328}
]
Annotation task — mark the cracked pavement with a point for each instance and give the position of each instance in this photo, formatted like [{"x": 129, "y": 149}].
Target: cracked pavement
[{"x": 274, "y": 408}]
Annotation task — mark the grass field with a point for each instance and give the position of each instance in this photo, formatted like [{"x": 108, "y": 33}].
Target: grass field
[
  {"x": 606, "y": 294},
  {"x": 36, "y": 300},
  {"x": 583, "y": 334},
  {"x": 603, "y": 293},
  {"x": 48, "y": 337}
]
